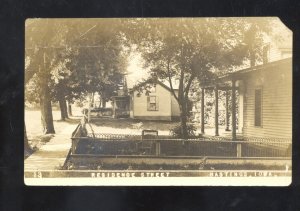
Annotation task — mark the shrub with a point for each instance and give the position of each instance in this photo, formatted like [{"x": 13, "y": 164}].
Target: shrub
[{"x": 176, "y": 131}]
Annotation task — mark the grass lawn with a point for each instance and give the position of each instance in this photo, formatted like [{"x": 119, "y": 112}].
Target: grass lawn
[
  {"x": 99, "y": 125},
  {"x": 130, "y": 126},
  {"x": 135, "y": 127}
]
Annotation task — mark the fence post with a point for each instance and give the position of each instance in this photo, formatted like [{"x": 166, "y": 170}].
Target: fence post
[
  {"x": 202, "y": 110},
  {"x": 216, "y": 111},
  {"x": 239, "y": 150},
  {"x": 233, "y": 110}
]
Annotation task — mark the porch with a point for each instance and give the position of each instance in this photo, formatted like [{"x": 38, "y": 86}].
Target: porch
[
  {"x": 258, "y": 102},
  {"x": 233, "y": 92}
]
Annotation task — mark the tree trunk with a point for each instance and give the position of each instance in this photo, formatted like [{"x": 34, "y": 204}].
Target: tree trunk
[
  {"x": 63, "y": 108},
  {"x": 183, "y": 120},
  {"x": 89, "y": 110},
  {"x": 93, "y": 100},
  {"x": 70, "y": 109},
  {"x": 62, "y": 116},
  {"x": 100, "y": 102},
  {"x": 182, "y": 106},
  {"x": 46, "y": 108},
  {"x": 103, "y": 103},
  {"x": 45, "y": 99}
]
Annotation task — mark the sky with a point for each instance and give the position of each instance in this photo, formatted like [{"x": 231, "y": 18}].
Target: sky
[{"x": 135, "y": 70}]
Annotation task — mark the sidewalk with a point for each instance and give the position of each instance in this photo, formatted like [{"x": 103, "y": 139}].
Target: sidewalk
[{"x": 53, "y": 154}]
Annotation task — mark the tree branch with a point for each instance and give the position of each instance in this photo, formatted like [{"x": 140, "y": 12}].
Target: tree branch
[
  {"x": 181, "y": 90},
  {"x": 170, "y": 81},
  {"x": 187, "y": 88}
]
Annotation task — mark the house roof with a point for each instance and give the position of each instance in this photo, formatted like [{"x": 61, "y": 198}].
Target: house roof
[
  {"x": 255, "y": 68},
  {"x": 175, "y": 84},
  {"x": 164, "y": 84},
  {"x": 223, "y": 79}
]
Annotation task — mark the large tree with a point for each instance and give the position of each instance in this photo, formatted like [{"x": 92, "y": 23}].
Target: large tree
[
  {"x": 70, "y": 58},
  {"x": 99, "y": 58},
  {"x": 195, "y": 50},
  {"x": 38, "y": 37}
]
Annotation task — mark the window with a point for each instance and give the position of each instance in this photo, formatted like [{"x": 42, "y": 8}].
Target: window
[
  {"x": 152, "y": 103},
  {"x": 258, "y": 108}
]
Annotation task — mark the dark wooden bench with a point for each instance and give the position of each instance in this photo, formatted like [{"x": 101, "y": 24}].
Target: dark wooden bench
[{"x": 146, "y": 145}]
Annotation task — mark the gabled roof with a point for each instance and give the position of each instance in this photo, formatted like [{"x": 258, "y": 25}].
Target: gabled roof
[
  {"x": 167, "y": 85},
  {"x": 164, "y": 84}
]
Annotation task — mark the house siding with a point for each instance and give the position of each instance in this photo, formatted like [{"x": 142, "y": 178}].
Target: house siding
[
  {"x": 274, "y": 54},
  {"x": 276, "y": 86},
  {"x": 140, "y": 110}
]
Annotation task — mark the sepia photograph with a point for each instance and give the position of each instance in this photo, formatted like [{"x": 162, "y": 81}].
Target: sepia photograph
[{"x": 158, "y": 102}]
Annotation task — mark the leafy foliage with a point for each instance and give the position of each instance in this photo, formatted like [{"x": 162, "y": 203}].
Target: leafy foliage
[
  {"x": 195, "y": 51},
  {"x": 84, "y": 55},
  {"x": 177, "y": 131}
]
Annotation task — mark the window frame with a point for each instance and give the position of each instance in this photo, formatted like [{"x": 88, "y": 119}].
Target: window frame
[{"x": 149, "y": 103}]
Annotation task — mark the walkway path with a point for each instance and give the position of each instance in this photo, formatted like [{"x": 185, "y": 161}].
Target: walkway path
[{"x": 53, "y": 154}]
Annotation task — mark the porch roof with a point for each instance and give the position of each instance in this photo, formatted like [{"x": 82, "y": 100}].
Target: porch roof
[
  {"x": 224, "y": 80},
  {"x": 237, "y": 74}
]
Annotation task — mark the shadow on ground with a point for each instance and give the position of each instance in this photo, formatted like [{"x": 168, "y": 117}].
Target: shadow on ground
[
  {"x": 134, "y": 124},
  {"x": 72, "y": 120}
]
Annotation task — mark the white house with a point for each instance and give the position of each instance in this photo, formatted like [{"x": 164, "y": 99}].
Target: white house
[
  {"x": 264, "y": 99},
  {"x": 158, "y": 104}
]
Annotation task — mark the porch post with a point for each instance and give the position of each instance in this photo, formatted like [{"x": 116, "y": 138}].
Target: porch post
[
  {"x": 233, "y": 110},
  {"x": 216, "y": 111},
  {"x": 227, "y": 111},
  {"x": 202, "y": 110},
  {"x": 114, "y": 107},
  {"x": 89, "y": 111}
]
